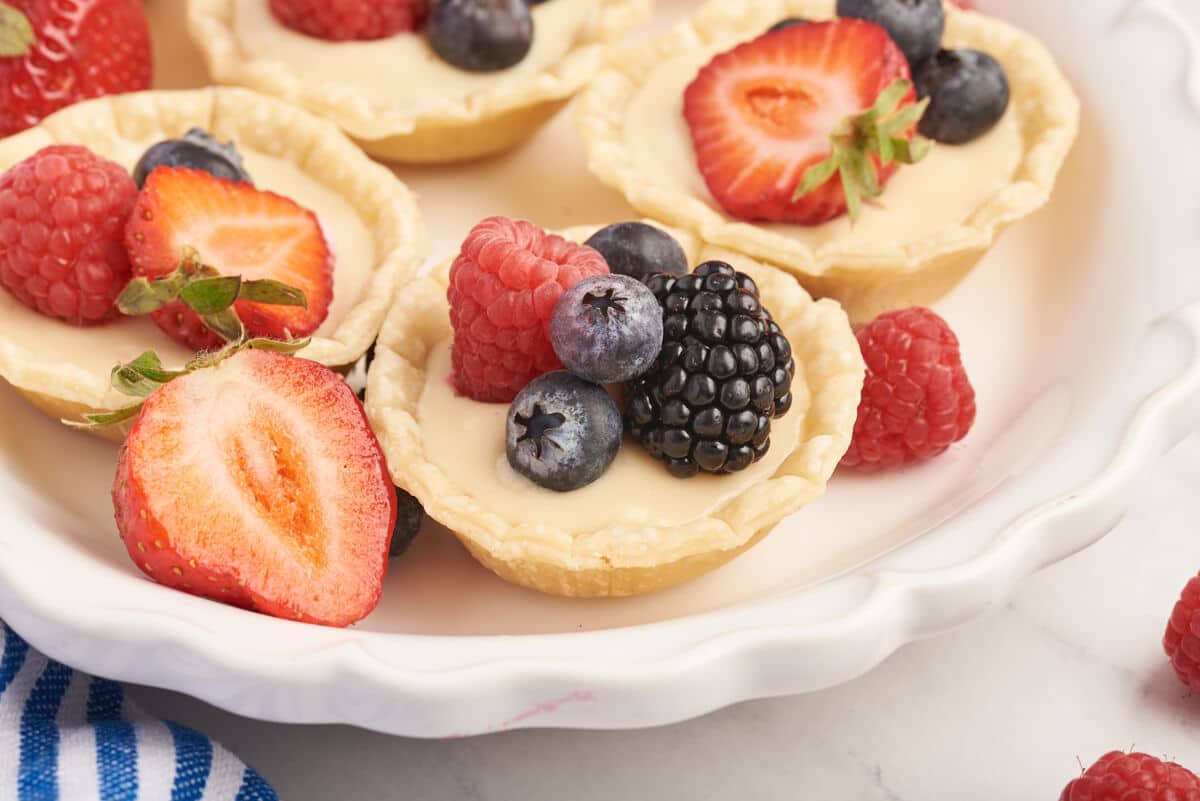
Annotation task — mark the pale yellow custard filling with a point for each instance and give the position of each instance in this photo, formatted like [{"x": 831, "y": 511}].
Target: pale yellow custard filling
[
  {"x": 97, "y": 348},
  {"x": 404, "y": 69},
  {"x": 465, "y": 439},
  {"x": 919, "y": 201}
]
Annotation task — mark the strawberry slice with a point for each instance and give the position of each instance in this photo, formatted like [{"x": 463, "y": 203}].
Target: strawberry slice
[
  {"x": 238, "y": 230},
  {"x": 258, "y": 482},
  {"x": 764, "y": 113}
]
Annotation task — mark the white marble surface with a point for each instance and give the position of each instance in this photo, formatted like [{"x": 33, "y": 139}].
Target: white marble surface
[{"x": 1001, "y": 709}]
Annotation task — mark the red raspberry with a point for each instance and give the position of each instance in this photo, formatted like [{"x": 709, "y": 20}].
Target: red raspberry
[
  {"x": 62, "y": 223},
  {"x": 917, "y": 399},
  {"x": 1118, "y": 776},
  {"x": 1182, "y": 638},
  {"x": 503, "y": 287},
  {"x": 346, "y": 20}
]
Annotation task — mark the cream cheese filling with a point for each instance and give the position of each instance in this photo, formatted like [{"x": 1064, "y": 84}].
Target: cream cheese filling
[
  {"x": 404, "y": 69},
  {"x": 465, "y": 439}
]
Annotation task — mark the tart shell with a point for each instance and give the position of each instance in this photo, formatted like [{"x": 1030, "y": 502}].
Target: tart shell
[
  {"x": 481, "y": 124},
  {"x": 606, "y": 562},
  {"x": 866, "y": 280},
  {"x": 388, "y": 210}
]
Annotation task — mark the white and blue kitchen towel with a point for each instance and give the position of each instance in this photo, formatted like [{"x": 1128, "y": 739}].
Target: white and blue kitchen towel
[{"x": 65, "y": 736}]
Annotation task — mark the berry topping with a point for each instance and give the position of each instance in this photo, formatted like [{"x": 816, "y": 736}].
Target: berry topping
[
  {"x": 197, "y": 150},
  {"x": 1182, "y": 638},
  {"x": 55, "y": 53},
  {"x": 637, "y": 249},
  {"x": 915, "y": 25},
  {"x": 350, "y": 20},
  {"x": 916, "y": 400},
  {"x": 968, "y": 94},
  {"x": 481, "y": 35},
  {"x": 784, "y": 24},
  {"x": 607, "y": 328},
  {"x": 799, "y": 125},
  {"x": 258, "y": 482},
  {"x": 504, "y": 285},
  {"x": 1118, "y": 776},
  {"x": 724, "y": 371},
  {"x": 410, "y": 514},
  {"x": 563, "y": 432},
  {"x": 965, "y": 5},
  {"x": 62, "y": 220},
  {"x": 236, "y": 230}
]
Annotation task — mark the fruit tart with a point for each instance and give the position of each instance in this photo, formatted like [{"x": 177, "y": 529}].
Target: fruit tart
[
  {"x": 412, "y": 81},
  {"x": 174, "y": 221},
  {"x": 615, "y": 417},
  {"x": 875, "y": 148}
]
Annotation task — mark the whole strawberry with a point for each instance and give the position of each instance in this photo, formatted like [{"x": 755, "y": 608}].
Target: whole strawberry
[
  {"x": 1118, "y": 776},
  {"x": 347, "y": 20},
  {"x": 1182, "y": 638},
  {"x": 916, "y": 398},
  {"x": 55, "y": 53},
  {"x": 503, "y": 288},
  {"x": 62, "y": 221}
]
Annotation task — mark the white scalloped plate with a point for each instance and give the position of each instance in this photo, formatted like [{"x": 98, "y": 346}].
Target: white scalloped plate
[{"x": 1056, "y": 326}]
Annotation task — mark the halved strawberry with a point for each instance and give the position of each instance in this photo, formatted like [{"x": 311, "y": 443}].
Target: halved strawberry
[
  {"x": 257, "y": 482},
  {"x": 239, "y": 230},
  {"x": 766, "y": 111}
]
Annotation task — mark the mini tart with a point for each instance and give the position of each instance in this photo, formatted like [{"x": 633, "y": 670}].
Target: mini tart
[
  {"x": 934, "y": 221},
  {"x": 636, "y": 529},
  {"x": 395, "y": 97},
  {"x": 370, "y": 219}
]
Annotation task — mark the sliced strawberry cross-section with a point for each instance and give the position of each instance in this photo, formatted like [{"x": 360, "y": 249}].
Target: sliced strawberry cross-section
[
  {"x": 258, "y": 483},
  {"x": 764, "y": 113},
  {"x": 238, "y": 230}
]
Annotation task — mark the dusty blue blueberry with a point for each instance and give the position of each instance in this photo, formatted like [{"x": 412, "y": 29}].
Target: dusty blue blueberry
[
  {"x": 562, "y": 432},
  {"x": 915, "y": 25},
  {"x": 784, "y": 24},
  {"x": 197, "y": 150},
  {"x": 607, "y": 328},
  {"x": 968, "y": 94},
  {"x": 481, "y": 35},
  {"x": 638, "y": 249}
]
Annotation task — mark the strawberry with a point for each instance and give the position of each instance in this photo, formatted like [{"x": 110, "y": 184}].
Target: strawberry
[
  {"x": 257, "y": 482},
  {"x": 55, "y": 53},
  {"x": 800, "y": 124},
  {"x": 236, "y": 230}
]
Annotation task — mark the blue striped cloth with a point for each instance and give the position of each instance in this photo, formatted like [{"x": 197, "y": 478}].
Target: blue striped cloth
[{"x": 65, "y": 736}]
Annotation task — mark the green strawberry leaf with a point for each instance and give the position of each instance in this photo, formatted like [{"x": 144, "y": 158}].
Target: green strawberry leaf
[
  {"x": 817, "y": 174},
  {"x": 211, "y": 296},
  {"x": 275, "y": 293},
  {"x": 16, "y": 34},
  {"x": 105, "y": 419},
  {"x": 148, "y": 366},
  {"x": 289, "y": 346},
  {"x": 226, "y": 324}
]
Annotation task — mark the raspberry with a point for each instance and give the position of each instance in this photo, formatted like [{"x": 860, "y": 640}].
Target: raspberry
[
  {"x": 351, "y": 20},
  {"x": 916, "y": 399},
  {"x": 503, "y": 287},
  {"x": 62, "y": 222},
  {"x": 1118, "y": 776},
  {"x": 1182, "y": 638}
]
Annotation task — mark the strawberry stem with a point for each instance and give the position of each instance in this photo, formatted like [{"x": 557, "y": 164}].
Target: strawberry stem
[
  {"x": 879, "y": 131},
  {"x": 145, "y": 374},
  {"x": 208, "y": 293},
  {"x": 16, "y": 33}
]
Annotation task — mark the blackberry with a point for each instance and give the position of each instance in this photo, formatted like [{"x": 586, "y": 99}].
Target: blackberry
[{"x": 724, "y": 371}]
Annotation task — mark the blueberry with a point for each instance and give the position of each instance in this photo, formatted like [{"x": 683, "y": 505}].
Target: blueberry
[
  {"x": 409, "y": 517},
  {"x": 607, "y": 328},
  {"x": 481, "y": 35},
  {"x": 915, "y": 25},
  {"x": 563, "y": 432},
  {"x": 637, "y": 249},
  {"x": 197, "y": 150},
  {"x": 968, "y": 94},
  {"x": 784, "y": 24}
]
